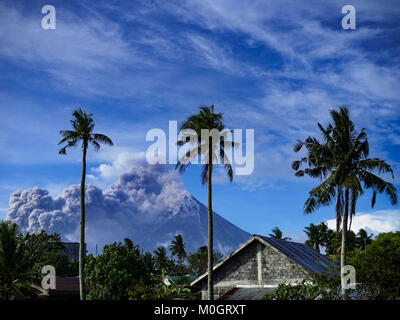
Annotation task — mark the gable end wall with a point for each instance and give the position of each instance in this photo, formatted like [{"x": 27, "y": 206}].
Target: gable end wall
[{"x": 242, "y": 269}]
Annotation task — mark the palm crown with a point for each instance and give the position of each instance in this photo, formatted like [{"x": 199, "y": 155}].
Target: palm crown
[
  {"x": 83, "y": 126},
  {"x": 277, "y": 234},
  {"x": 342, "y": 161},
  {"x": 177, "y": 248},
  {"x": 317, "y": 235},
  {"x": 161, "y": 259},
  {"x": 206, "y": 148}
]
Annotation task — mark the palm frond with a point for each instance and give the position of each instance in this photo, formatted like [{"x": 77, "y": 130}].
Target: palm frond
[{"x": 101, "y": 138}]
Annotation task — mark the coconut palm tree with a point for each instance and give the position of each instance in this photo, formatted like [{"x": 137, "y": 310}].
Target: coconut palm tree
[
  {"x": 161, "y": 260},
  {"x": 83, "y": 126},
  {"x": 317, "y": 235},
  {"x": 342, "y": 162},
  {"x": 211, "y": 151},
  {"x": 177, "y": 248},
  {"x": 277, "y": 234}
]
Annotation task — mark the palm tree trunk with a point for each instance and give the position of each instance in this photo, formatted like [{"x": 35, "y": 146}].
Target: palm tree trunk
[
  {"x": 82, "y": 250},
  {"x": 317, "y": 246},
  {"x": 210, "y": 225},
  {"x": 338, "y": 209},
  {"x": 343, "y": 252}
]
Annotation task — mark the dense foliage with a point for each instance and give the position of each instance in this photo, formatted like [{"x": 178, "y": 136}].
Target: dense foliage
[
  {"x": 198, "y": 261},
  {"x": 159, "y": 291},
  {"x": 111, "y": 274},
  {"x": 377, "y": 273},
  {"x": 321, "y": 236},
  {"x": 22, "y": 258},
  {"x": 123, "y": 272},
  {"x": 377, "y": 266}
]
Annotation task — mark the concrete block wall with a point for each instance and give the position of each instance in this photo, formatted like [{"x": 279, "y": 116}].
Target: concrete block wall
[{"x": 278, "y": 268}]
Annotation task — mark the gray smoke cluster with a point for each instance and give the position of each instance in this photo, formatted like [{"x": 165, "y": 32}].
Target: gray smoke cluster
[
  {"x": 146, "y": 204},
  {"x": 142, "y": 196}
]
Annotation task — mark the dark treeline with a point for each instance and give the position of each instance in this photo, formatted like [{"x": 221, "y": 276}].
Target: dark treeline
[{"x": 124, "y": 271}]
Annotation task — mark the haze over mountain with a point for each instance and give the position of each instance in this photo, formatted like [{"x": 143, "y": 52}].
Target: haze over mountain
[{"x": 147, "y": 204}]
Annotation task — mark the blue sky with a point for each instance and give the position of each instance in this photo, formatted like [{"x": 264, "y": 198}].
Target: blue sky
[{"x": 275, "y": 67}]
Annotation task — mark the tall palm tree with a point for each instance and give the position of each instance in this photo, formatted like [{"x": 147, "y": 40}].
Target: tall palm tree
[
  {"x": 177, "y": 248},
  {"x": 277, "y": 234},
  {"x": 161, "y": 260},
  {"x": 208, "y": 149},
  {"x": 317, "y": 235},
  {"x": 83, "y": 126},
  {"x": 341, "y": 160}
]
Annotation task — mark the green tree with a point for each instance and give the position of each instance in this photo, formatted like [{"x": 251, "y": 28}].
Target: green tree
[
  {"x": 341, "y": 160},
  {"x": 14, "y": 267},
  {"x": 111, "y": 274},
  {"x": 22, "y": 258},
  {"x": 378, "y": 266},
  {"x": 161, "y": 260},
  {"x": 177, "y": 248},
  {"x": 212, "y": 150},
  {"x": 198, "y": 261},
  {"x": 277, "y": 234},
  {"x": 317, "y": 235},
  {"x": 83, "y": 126},
  {"x": 363, "y": 239},
  {"x": 334, "y": 242}
]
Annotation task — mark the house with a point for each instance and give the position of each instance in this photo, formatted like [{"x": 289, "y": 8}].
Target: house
[
  {"x": 180, "y": 281},
  {"x": 66, "y": 288},
  {"x": 259, "y": 265}
]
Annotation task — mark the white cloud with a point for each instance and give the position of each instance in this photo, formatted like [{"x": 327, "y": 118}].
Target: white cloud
[
  {"x": 376, "y": 222},
  {"x": 105, "y": 173}
]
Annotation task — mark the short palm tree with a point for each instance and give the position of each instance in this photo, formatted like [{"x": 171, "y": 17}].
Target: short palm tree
[
  {"x": 363, "y": 238},
  {"x": 211, "y": 153},
  {"x": 277, "y": 234},
  {"x": 317, "y": 235},
  {"x": 341, "y": 160},
  {"x": 177, "y": 248},
  {"x": 161, "y": 260},
  {"x": 83, "y": 126}
]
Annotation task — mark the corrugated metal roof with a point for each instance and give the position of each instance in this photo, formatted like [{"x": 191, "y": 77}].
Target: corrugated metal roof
[
  {"x": 300, "y": 253},
  {"x": 246, "y": 293},
  {"x": 68, "y": 284}
]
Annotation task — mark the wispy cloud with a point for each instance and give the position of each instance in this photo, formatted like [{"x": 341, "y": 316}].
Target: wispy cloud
[{"x": 274, "y": 67}]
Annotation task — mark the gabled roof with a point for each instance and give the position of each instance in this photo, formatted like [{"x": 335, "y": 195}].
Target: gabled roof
[{"x": 300, "y": 253}]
